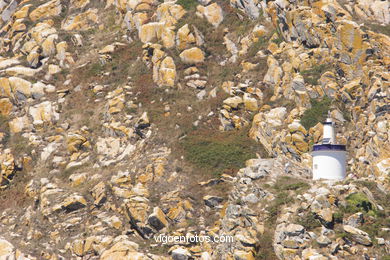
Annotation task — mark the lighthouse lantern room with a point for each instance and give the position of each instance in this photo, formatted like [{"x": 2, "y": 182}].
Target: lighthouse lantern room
[{"x": 329, "y": 158}]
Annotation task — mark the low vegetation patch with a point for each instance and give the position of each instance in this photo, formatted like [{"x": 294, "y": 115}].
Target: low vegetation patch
[
  {"x": 358, "y": 202},
  {"x": 265, "y": 242},
  {"x": 187, "y": 4},
  {"x": 289, "y": 183},
  {"x": 19, "y": 145},
  {"x": 4, "y": 128},
  {"x": 309, "y": 221},
  {"x": 238, "y": 23},
  {"x": 262, "y": 43},
  {"x": 374, "y": 219},
  {"x": 274, "y": 209},
  {"x": 14, "y": 196},
  {"x": 95, "y": 69},
  {"x": 384, "y": 29},
  {"x": 338, "y": 217},
  {"x": 16, "y": 142},
  {"x": 217, "y": 152},
  {"x": 312, "y": 75},
  {"x": 317, "y": 112}
]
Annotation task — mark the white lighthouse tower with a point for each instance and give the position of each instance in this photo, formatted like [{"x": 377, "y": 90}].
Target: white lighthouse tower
[{"x": 329, "y": 158}]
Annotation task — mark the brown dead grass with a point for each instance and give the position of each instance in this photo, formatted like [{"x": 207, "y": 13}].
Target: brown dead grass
[{"x": 14, "y": 196}]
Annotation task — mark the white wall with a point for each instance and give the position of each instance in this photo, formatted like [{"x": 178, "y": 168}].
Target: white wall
[{"x": 330, "y": 165}]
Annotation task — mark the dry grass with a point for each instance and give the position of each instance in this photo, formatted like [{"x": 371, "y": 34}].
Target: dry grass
[{"x": 14, "y": 196}]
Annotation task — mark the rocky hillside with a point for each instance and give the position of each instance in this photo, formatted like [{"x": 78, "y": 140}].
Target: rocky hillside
[{"x": 125, "y": 120}]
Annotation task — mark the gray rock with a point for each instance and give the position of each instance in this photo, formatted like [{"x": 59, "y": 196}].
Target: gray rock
[
  {"x": 357, "y": 235},
  {"x": 294, "y": 230},
  {"x": 212, "y": 201},
  {"x": 260, "y": 169},
  {"x": 298, "y": 84},
  {"x": 323, "y": 241},
  {"x": 381, "y": 241},
  {"x": 251, "y": 198},
  {"x": 233, "y": 211},
  {"x": 181, "y": 254},
  {"x": 355, "y": 220},
  {"x": 289, "y": 243},
  {"x": 248, "y": 6},
  {"x": 334, "y": 248},
  {"x": 330, "y": 12}
]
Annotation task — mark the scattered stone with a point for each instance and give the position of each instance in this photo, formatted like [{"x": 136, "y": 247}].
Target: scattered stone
[
  {"x": 212, "y": 201},
  {"x": 355, "y": 220},
  {"x": 74, "y": 202},
  {"x": 192, "y": 55},
  {"x": 358, "y": 235},
  {"x": 158, "y": 220},
  {"x": 181, "y": 254}
]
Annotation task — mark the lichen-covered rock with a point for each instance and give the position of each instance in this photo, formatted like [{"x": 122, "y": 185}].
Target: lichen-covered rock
[
  {"x": 166, "y": 72},
  {"x": 233, "y": 102},
  {"x": 111, "y": 66},
  {"x": 43, "y": 113},
  {"x": 373, "y": 10},
  {"x": 6, "y": 249},
  {"x": 250, "y": 103},
  {"x": 170, "y": 13},
  {"x": 213, "y": 13},
  {"x": 157, "y": 219},
  {"x": 123, "y": 249},
  {"x": 192, "y": 55},
  {"x": 7, "y": 168},
  {"x": 99, "y": 194},
  {"x": 48, "y": 9},
  {"x": 212, "y": 201},
  {"x": 79, "y": 4},
  {"x": 82, "y": 21},
  {"x": 17, "y": 124},
  {"x": 358, "y": 235},
  {"x": 184, "y": 37},
  {"x": 73, "y": 203},
  {"x": 20, "y": 87},
  {"x": 251, "y": 7}
]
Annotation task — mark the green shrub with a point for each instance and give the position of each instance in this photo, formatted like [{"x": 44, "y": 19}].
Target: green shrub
[
  {"x": 338, "y": 217},
  {"x": 357, "y": 202},
  {"x": 187, "y": 4},
  {"x": 309, "y": 221},
  {"x": 312, "y": 75},
  {"x": 95, "y": 69},
  {"x": 317, "y": 112}
]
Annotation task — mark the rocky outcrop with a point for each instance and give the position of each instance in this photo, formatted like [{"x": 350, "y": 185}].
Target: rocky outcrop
[
  {"x": 377, "y": 11},
  {"x": 250, "y": 7}
]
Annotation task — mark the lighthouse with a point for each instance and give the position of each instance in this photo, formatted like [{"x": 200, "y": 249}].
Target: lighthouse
[{"x": 329, "y": 158}]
